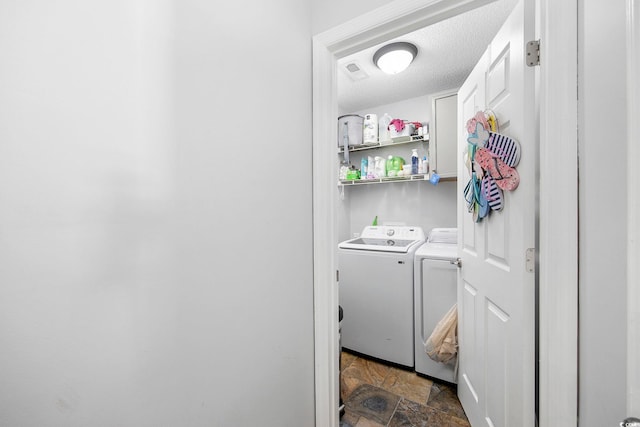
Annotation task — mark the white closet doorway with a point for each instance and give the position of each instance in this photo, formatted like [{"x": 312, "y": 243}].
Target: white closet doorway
[{"x": 385, "y": 23}]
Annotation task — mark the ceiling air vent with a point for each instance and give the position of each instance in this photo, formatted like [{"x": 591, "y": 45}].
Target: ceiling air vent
[
  {"x": 354, "y": 71},
  {"x": 353, "y": 68}
]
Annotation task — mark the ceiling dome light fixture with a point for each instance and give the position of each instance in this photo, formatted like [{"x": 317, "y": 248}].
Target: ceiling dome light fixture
[{"x": 395, "y": 57}]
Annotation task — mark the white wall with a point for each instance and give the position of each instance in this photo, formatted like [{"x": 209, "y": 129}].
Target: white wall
[
  {"x": 413, "y": 203},
  {"x": 330, "y": 13},
  {"x": 146, "y": 280},
  {"x": 602, "y": 192},
  {"x": 417, "y": 109}
]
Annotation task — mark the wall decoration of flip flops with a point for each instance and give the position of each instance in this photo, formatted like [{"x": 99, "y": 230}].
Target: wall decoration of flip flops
[{"x": 491, "y": 159}]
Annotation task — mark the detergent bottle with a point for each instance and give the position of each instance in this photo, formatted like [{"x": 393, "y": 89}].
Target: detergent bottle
[
  {"x": 394, "y": 165},
  {"x": 415, "y": 160},
  {"x": 380, "y": 168},
  {"x": 364, "y": 167}
]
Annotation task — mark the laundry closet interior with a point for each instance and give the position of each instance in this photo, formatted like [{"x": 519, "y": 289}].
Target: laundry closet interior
[{"x": 398, "y": 207}]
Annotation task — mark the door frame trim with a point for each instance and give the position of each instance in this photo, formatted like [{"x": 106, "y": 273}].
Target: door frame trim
[
  {"x": 633, "y": 202},
  {"x": 558, "y": 215},
  {"x": 558, "y": 367}
]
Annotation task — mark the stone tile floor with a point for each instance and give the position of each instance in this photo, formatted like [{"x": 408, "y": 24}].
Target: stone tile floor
[{"x": 378, "y": 395}]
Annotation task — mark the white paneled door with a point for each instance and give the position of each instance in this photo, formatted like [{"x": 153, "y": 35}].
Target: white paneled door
[{"x": 496, "y": 288}]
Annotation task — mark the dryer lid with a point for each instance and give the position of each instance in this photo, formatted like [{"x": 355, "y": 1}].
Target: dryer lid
[
  {"x": 437, "y": 251},
  {"x": 443, "y": 235}
]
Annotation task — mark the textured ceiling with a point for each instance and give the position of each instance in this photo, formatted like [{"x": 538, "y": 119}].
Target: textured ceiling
[{"x": 447, "y": 52}]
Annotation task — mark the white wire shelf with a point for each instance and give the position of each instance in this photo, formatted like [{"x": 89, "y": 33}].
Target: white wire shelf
[
  {"x": 394, "y": 141},
  {"x": 385, "y": 180}
]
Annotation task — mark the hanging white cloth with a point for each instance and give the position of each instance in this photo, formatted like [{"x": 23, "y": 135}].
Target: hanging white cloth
[{"x": 442, "y": 345}]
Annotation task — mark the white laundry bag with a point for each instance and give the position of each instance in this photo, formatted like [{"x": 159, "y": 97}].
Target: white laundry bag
[{"x": 442, "y": 345}]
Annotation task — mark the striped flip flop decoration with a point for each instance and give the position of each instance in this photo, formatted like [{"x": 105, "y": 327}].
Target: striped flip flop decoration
[
  {"x": 505, "y": 148},
  {"x": 492, "y": 193}
]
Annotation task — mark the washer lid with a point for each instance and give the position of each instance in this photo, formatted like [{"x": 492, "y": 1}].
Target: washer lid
[
  {"x": 386, "y": 238},
  {"x": 380, "y": 244},
  {"x": 439, "y": 251},
  {"x": 397, "y": 232}
]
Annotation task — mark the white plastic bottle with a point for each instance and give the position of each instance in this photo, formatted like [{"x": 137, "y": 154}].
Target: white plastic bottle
[
  {"x": 425, "y": 165},
  {"x": 370, "y": 128},
  {"x": 380, "y": 170},
  {"x": 415, "y": 160},
  {"x": 383, "y": 127}
]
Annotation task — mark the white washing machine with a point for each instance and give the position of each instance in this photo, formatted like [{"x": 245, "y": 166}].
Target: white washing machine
[
  {"x": 436, "y": 281},
  {"x": 376, "y": 292}
]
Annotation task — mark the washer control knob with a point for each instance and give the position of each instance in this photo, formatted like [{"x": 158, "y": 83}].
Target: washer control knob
[{"x": 391, "y": 232}]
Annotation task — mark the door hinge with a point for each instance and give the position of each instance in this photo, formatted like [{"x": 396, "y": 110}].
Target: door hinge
[
  {"x": 533, "y": 53},
  {"x": 530, "y": 260},
  {"x": 337, "y": 275}
]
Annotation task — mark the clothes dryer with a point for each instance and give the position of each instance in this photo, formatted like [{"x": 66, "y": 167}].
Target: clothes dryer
[
  {"x": 436, "y": 278},
  {"x": 376, "y": 292}
]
